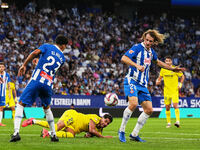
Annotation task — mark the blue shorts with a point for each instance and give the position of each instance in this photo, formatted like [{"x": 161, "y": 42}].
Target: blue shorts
[
  {"x": 135, "y": 89},
  {"x": 2, "y": 101},
  {"x": 36, "y": 89}
]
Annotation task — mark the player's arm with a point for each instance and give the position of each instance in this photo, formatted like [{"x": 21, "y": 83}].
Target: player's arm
[
  {"x": 182, "y": 78},
  {"x": 9, "y": 90},
  {"x": 158, "y": 80},
  {"x": 33, "y": 55},
  {"x": 166, "y": 66},
  {"x": 93, "y": 131},
  {"x": 1, "y": 80},
  {"x": 125, "y": 59},
  {"x": 15, "y": 95}
]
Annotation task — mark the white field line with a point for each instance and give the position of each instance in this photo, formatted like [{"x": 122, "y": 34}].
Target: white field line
[
  {"x": 155, "y": 138},
  {"x": 169, "y": 138},
  {"x": 176, "y": 133}
]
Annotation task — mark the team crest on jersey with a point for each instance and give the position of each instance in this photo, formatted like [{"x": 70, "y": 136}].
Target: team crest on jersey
[
  {"x": 131, "y": 52},
  {"x": 131, "y": 91}
]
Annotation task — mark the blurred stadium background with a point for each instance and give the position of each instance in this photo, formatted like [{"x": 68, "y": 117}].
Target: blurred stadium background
[{"x": 99, "y": 33}]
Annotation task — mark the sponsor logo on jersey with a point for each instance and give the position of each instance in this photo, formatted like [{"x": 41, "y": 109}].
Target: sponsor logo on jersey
[
  {"x": 147, "y": 61},
  {"x": 46, "y": 76},
  {"x": 131, "y": 52}
]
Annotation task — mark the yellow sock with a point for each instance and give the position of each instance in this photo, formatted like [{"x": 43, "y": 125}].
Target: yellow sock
[
  {"x": 177, "y": 113},
  {"x": 64, "y": 134},
  {"x": 44, "y": 124},
  {"x": 168, "y": 116},
  {"x": 13, "y": 114}
]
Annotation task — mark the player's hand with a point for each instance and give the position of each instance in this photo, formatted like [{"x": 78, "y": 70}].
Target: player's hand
[
  {"x": 108, "y": 136},
  {"x": 178, "y": 68},
  {"x": 15, "y": 100},
  {"x": 88, "y": 135},
  {"x": 35, "y": 61},
  {"x": 140, "y": 68},
  {"x": 180, "y": 85},
  {"x": 158, "y": 82},
  {"x": 21, "y": 70},
  {"x": 1, "y": 80}
]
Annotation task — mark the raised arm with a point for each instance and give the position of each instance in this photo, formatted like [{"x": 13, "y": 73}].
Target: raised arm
[
  {"x": 166, "y": 66},
  {"x": 182, "y": 78},
  {"x": 34, "y": 54}
]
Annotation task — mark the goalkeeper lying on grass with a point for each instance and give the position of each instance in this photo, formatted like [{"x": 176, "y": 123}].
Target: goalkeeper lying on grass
[{"x": 72, "y": 123}]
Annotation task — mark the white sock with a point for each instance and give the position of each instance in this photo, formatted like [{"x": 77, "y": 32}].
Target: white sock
[
  {"x": 140, "y": 123},
  {"x": 50, "y": 120},
  {"x": 34, "y": 121},
  {"x": 126, "y": 116},
  {"x": 18, "y": 118},
  {"x": 1, "y": 116}
]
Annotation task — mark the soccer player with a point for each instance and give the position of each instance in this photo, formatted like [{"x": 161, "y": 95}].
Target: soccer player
[
  {"x": 10, "y": 101},
  {"x": 5, "y": 82},
  {"x": 72, "y": 123},
  {"x": 41, "y": 82},
  {"x": 171, "y": 90},
  {"x": 139, "y": 59}
]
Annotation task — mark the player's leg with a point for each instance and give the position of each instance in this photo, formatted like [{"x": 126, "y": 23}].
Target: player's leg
[
  {"x": 45, "y": 94},
  {"x": 131, "y": 94},
  {"x": 50, "y": 120},
  {"x": 28, "y": 96},
  {"x": 33, "y": 121},
  {"x": 67, "y": 119},
  {"x": 2, "y": 104},
  {"x": 18, "y": 118},
  {"x": 11, "y": 103},
  {"x": 167, "y": 101},
  {"x": 175, "y": 100},
  {"x": 148, "y": 110},
  {"x": 133, "y": 102},
  {"x": 1, "y": 115},
  {"x": 145, "y": 101},
  {"x": 13, "y": 112},
  {"x": 67, "y": 133}
]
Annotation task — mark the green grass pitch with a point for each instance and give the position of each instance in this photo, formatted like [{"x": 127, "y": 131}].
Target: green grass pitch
[{"x": 154, "y": 132}]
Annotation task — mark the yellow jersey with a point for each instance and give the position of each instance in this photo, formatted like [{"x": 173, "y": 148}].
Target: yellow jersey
[
  {"x": 12, "y": 88},
  {"x": 79, "y": 122},
  {"x": 170, "y": 81}
]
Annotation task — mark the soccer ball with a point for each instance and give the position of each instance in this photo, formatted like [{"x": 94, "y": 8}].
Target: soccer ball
[{"x": 111, "y": 99}]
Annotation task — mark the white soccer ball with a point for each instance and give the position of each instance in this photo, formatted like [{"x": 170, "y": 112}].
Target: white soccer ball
[{"x": 111, "y": 99}]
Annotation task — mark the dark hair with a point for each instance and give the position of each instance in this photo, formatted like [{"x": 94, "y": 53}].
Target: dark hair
[
  {"x": 61, "y": 39},
  {"x": 2, "y": 63},
  {"x": 168, "y": 57},
  {"x": 108, "y": 116}
]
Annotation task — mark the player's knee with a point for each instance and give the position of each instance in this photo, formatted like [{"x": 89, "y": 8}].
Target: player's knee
[
  {"x": 149, "y": 111},
  {"x": 132, "y": 104},
  {"x": 132, "y": 107},
  {"x": 167, "y": 107}
]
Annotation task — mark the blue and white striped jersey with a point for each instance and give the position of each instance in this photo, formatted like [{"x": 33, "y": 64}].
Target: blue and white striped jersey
[
  {"x": 51, "y": 59},
  {"x": 141, "y": 56},
  {"x": 6, "y": 79}
]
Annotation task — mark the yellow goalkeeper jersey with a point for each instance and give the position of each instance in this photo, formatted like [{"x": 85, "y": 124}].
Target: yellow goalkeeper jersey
[
  {"x": 170, "y": 81},
  {"x": 79, "y": 122},
  {"x": 12, "y": 88}
]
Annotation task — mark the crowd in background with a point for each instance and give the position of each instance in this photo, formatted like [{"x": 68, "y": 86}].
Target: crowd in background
[{"x": 97, "y": 41}]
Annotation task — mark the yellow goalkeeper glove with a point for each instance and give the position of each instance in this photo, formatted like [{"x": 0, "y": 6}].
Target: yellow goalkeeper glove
[{"x": 180, "y": 85}]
